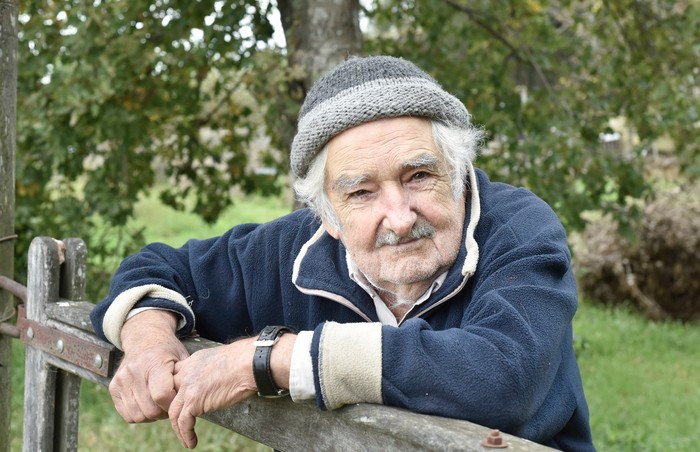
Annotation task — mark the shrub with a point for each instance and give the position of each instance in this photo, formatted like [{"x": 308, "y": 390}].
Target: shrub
[{"x": 659, "y": 272}]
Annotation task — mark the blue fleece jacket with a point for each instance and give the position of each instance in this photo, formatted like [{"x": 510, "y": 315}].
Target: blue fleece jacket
[{"x": 492, "y": 345}]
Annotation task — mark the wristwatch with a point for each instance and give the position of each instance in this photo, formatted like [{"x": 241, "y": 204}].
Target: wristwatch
[{"x": 261, "y": 361}]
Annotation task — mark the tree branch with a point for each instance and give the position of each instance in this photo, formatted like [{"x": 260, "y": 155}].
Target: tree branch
[
  {"x": 521, "y": 54},
  {"x": 204, "y": 119},
  {"x": 473, "y": 15}
]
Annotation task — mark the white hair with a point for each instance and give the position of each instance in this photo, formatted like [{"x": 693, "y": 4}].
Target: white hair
[{"x": 458, "y": 145}]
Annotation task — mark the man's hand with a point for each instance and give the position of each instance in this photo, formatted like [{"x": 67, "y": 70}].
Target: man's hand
[
  {"x": 143, "y": 386},
  {"x": 220, "y": 377}
]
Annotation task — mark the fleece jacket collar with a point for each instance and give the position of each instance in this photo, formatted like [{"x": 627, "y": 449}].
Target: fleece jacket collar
[{"x": 321, "y": 268}]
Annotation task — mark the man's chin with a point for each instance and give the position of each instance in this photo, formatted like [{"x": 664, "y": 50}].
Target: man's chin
[{"x": 412, "y": 273}]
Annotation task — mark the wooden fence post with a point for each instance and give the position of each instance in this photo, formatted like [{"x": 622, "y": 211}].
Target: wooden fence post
[
  {"x": 39, "y": 376},
  {"x": 51, "y": 395},
  {"x": 71, "y": 287}
]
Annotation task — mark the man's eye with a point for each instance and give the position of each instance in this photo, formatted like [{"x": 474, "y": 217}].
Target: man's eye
[
  {"x": 420, "y": 175},
  {"x": 358, "y": 194}
]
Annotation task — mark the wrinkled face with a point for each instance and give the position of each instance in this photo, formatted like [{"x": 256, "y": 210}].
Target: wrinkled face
[{"x": 391, "y": 190}]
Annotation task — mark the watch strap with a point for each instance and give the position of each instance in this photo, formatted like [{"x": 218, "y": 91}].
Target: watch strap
[{"x": 262, "y": 373}]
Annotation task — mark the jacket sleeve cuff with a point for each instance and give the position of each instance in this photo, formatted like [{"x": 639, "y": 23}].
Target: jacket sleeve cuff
[
  {"x": 347, "y": 360},
  {"x": 119, "y": 309}
]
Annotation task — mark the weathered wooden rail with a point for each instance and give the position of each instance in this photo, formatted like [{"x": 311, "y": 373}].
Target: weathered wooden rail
[{"x": 62, "y": 349}]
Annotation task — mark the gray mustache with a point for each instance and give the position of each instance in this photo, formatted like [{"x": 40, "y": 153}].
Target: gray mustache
[{"x": 418, "y": 231}]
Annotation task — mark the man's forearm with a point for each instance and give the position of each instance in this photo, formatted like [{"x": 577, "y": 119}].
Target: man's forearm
[{"x": 147, "y": 327}]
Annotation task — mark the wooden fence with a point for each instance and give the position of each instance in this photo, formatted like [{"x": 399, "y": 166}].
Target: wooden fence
[{"x": 62, "y": 349}]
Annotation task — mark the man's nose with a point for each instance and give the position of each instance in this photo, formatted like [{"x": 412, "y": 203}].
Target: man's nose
[{"x": 399, "y": 214}]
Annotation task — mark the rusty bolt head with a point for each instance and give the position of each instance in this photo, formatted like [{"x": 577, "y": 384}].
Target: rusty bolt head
[{"x": 494, "y": 440}]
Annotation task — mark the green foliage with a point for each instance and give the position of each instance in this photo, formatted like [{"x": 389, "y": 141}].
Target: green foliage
[
  {"x": 110, "y": 92},
  {"x": 115, "y": 95},
  {"x": 545, "y": 78}
]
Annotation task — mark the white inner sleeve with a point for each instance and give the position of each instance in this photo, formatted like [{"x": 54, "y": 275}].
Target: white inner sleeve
[{"x": 301, "y": 372}]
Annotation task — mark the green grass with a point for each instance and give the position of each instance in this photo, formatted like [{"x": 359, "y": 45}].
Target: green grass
[
  {"x": 166, "y": 225},
  {"x": 641, "y": 378}
]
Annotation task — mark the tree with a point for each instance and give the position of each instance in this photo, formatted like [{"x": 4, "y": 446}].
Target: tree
[
  {"x": 546, "y": 77},
  {"x": 106, "y": 90},
  {"x": 319, "y": 35},
  {"x": 113, "y": 92},
  {"x": 8, "y": 99}
]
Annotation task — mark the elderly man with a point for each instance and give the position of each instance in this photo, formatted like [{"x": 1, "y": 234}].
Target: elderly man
[{"x": 411, "y": 281}]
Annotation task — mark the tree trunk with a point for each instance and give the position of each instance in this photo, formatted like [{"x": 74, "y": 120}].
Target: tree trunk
[
  {"x": 319, "y": 34},
  {"x": 8, "y": 115}
]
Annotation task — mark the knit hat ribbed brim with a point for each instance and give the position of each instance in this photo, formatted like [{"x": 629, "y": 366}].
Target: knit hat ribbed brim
[{"x": 361, "y": 90}]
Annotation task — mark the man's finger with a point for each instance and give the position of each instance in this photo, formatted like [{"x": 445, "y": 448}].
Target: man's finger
[
  {"x": 182, "y": 422},
  {"x": 186, "y": 424},
  {"x": 135, "y": 410},
  {"x": 161, "y": 387},
  {"x": 124, "y": 401},
  {"x": 174, "y": 413},
  {"x": 120, "y": 406},
  {"x": 150, "y": 411},
  {"x": 178, "y": 367}
]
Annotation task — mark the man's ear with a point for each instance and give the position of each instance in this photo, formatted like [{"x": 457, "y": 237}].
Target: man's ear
[{"x": 333, "y": 232}]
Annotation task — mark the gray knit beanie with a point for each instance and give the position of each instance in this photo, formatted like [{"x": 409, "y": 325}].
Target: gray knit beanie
[{"x": 361, "y": 90}]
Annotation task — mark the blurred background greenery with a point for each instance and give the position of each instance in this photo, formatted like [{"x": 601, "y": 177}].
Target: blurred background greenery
[
  {"x": 171, "y": 119},
  {"x": 581, "y": 100}
]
